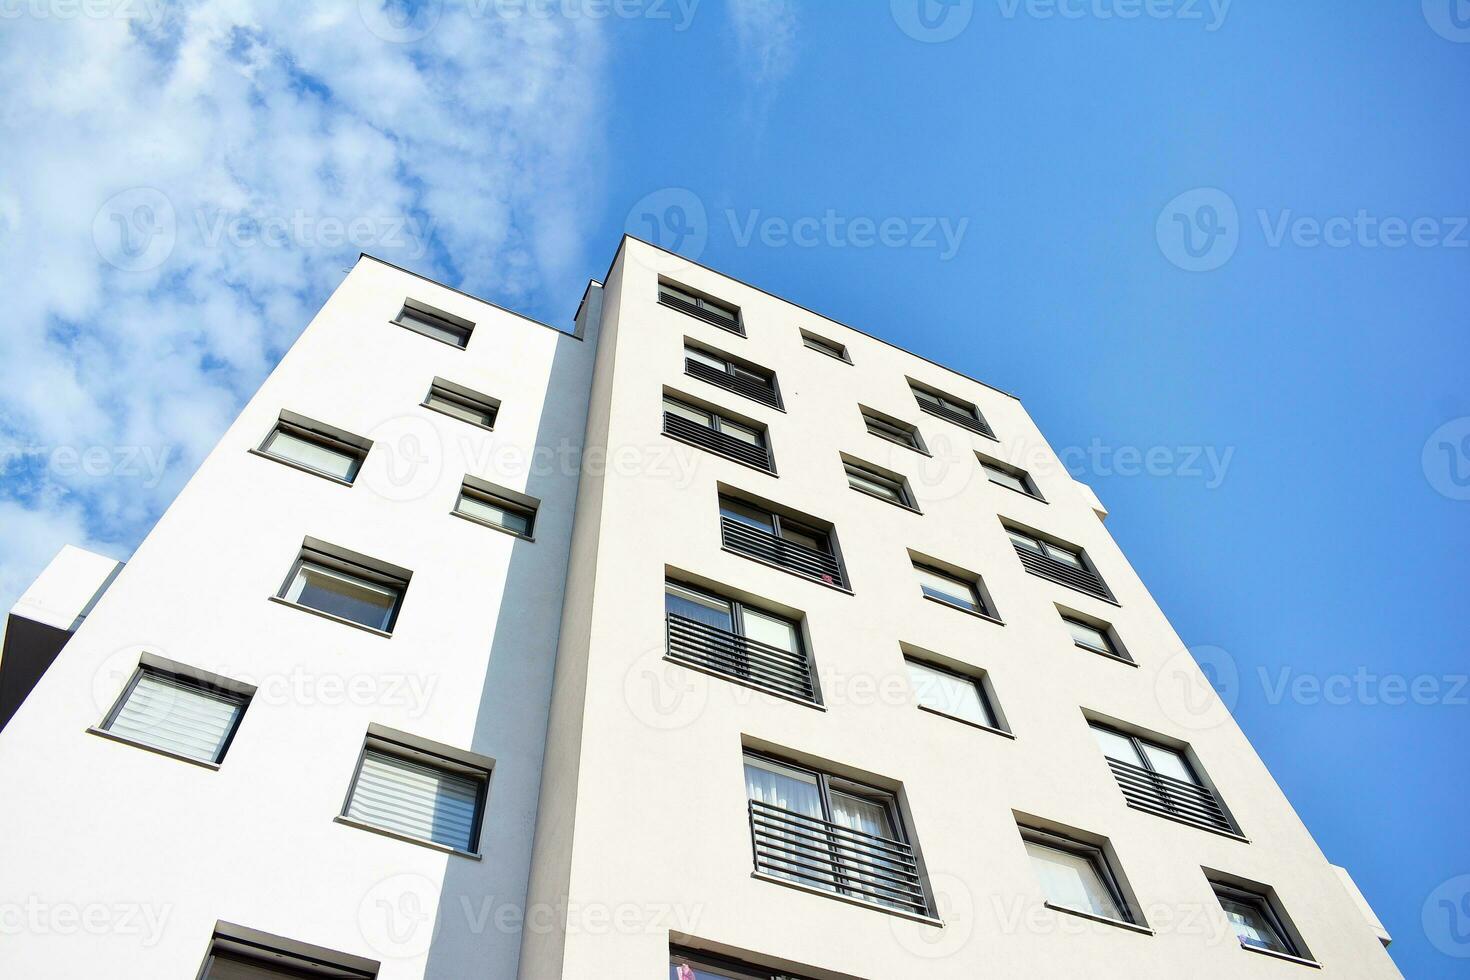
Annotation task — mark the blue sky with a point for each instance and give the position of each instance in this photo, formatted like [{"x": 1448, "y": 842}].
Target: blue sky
[{"x": 1219, "y": 250}]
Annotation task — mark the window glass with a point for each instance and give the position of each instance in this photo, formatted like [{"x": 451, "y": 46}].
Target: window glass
[
  {"x": 805, "y": 536},
  {"x": 718, "y": 312},
  {"x": 1024, "y": 540},
  {"x": 943, "y": 587},
  {"x": 747, "y": 515},
  {"x": 689, "y": 412},
  {"x": 887, "y": 430},
  {"x": 1063, "y": 555},
  {"x": 742, "y": 432},
  {"x": 1072, "y": 880},
  {"x": 927, "y": 397},
  {"x": 759, "y": 377},
  {"x": 873, "y": 483},
  {"x": 707, "y": 609},
  {"x": 676, "y": 293},
  {"x": 1088, "y": 636},
  {"x": 942, "y": 691},
  {"x": 459, "y": 409},
  {"x": 174, "y": 715},
  {"x": 341, "y": 594},
  {"x": 710, "y": 360},
  {"x": 312, "y": 454},
  {"x": 494, "y": 512},
  {"x": 1006, "y": 478},
  {"x": 1251, "y": 925},
  {"x": 1169, "y": 762},
  {"x": 434, "y": 327},
  {"x": 1116, "y": 746},
  {"x": 769, "y": 628},
  {"x": 778, "y": 785},
  {"x": 415, "y": 800}
]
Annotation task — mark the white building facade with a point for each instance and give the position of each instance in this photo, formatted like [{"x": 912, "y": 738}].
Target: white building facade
[{"x": 711, "y": 639}]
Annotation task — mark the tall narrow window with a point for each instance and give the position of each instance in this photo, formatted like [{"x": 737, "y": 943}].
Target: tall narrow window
[
  {"x": 745, "y": 379},
  {"x": 460, "y": 402},
  {"x": 345, "y": 586},
  {"x": 180, "y": 714},
  {"x": 832, "y": 834},
  {"x": 1060, "y": 563},
  {"x": 1160, "y": 780},
  {"x": 424, "y": 319},
  {"x": 1258, "y": 921},
  {"x": 949, "y": 693},
  {"x": 1075, "y": 876},
  {"x": 753, "y": 646},
  {"x": 792, "y": 544},
  {"x": 419, "y": 791},
  {"x": 718, "y": 433},
  {"x": 892, "y": 429},
  {"x": 951, "y": 589},
  {"x": 710, "y": 310},
  {"x": 951, "y": 409},
  {"x": 497, "y": 507},
  {"x": 310, "y": 445}
]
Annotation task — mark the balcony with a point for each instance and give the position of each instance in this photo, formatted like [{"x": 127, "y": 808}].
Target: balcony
[
  {"x": 718, "y": 443},
  {"x": 761, "y": 391},
  {"x": 1169, "y": 797},
  {"x": 827, "y": 856},
  {"x": 740, "y": 658},
  {"x": 773, "y": 549},
  {"x": 1081, "y": 579}
]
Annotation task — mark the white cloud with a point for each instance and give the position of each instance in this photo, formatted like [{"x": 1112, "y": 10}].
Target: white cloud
[
  {"x": 765, "y": 34},
  {"x": 283, "y": 138}
]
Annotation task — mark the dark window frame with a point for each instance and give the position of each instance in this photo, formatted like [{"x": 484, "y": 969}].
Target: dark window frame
[
  {"x": 1015, "y": 472},
  {"x": 464, "y": 397},
  {"x": 825, "y": 345},
  {"x": 1115, "y": 650},
  {"x": 742, "y": 674},
  {"x": 1274, "y": 916},
  {"x": 500, "y": 497},
  {"x": 1160, "y": 798},
  {"x": 290, "y": 957},
  {"x": 820, "y": 531},
  {"x": 976, "y": 585},
  {"x": 242, "y": 694},
  {"x": 980, "y": 682},
  {"x": 339, "y": 560},
  {"x": 876, "y": 423},
  {"x": 436, "y": 317},
  {"x": 872, "y": 473},
  {"x": 698, "y": 959},
  {"x": 1043, "y": 545},
  {"x": 733, "y": 381},
  {"x": 1098, "y": 858},
  {"x": 951, "y": 408},
  {"x": 319, "y": 433},
  {"x": 719, "y": 418},
  {"x": 702, "y": 301}
]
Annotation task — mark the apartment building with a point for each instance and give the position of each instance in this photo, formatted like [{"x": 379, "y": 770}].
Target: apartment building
[{"x": 713, "y": 638}]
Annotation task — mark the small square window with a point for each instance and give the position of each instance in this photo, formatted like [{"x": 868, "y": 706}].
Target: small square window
[
  {"x": 178, "y": 712},
  {"x": 497, "y": 507},
  {"x": 462, "y": 403},
  {"x": 947, "y": 692},
  {"x": 1095, "y": 636},
  {"x": 1258, "y": 922},
  {"x": 887, "y": 486},
  {"x": 1010, "y": 477},
  {"x": 315, "y": 447},
  {"x": 892, "y": 429},
  {"x": 445, "y": 327},
  {"x": 237, "y": 953},
  {"x": 822, "y": 345},
  {"x": 952, "y": 590},
  {"x": 345, "y": 586},
  {"x": 1075, "y": 876},
  {"x": 418, "y": 790}
]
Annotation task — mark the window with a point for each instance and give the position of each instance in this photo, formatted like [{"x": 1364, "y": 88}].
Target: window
[
  {"x": 952, "y": 590},
  {"x": 720, "y": 434},
  {"x": 949, "y": 693},
  {"x": 829, "y": 347},
  {"x": 345, "y": 586},
  {"x": 688, "y": 964},
  {"x": 178, "y": 711},
  {"x": 1160, "y": 780},
  {"x": 710, "y": 310},
  {"x": 1075, "y": 876},
  {"x": 832, "y": 834},
  {"x": 462, "y": 403},
  {"x": 894, "y": 430},
  {"x": 497, "y": 507},
  {"x": 1096, "y": 636},
  {"x": 1010, "y": 477},
  {"x": 754, "y": 647},
  {"x": 951, "y": 409},
  {"x": 890, "y": 487},
  {"x": 1257, "y": 923},
  {"x": 793, "y": 544},
  {"x": 424, "y": 319},
  {"x": 315, "y": 447},
  {"x": 1061, "y": 563},
  {"x": 750, "y": 380},
  {"x": 418, "y": 790},
  {"x": 237, "y": 953}
]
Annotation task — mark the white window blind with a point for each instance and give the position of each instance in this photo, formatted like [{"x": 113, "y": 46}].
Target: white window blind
[
  {"x": 176, "y": 716},
  {"x": 416, "y": 800}
]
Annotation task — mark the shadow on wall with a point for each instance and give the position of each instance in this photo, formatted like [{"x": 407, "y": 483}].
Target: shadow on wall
[{"x": 482, "y": 904}]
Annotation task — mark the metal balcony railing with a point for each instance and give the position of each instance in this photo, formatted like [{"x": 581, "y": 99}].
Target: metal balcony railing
[
  {"x": 775, "y": 549},
  {"x": 716, "y": 442},
  {"x": 748, "y": 661},
  {"x": 1081, "y": 579},
  {"x": 975, "y": 423},
  {"x": 763, "y": 392},
  {"x": 831, "y": 857},
  {"x": 1167, "y": 796}
]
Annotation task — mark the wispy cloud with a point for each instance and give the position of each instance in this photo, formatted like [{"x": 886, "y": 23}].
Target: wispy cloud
[
  {"x": 765, "y": 36},
  {"x": 184, "y": 184}
]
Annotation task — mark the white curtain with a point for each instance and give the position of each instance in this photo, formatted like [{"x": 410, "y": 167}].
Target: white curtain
[
  {"x": 798, "y": 793},
  {"x": 1072, "y": 881},
  {"x": 943, "y": 691},
  {"x": 415, "y": 800},
  {"x": 178, "y": 717}
]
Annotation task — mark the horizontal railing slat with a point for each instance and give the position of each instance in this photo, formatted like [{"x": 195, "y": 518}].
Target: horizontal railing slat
[
  {"x": 740, "y": 658},
  {"x": 716, "y": 442},
  {"x": 777, "y": 550},
  {"x": 1169, "y": 796}
]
